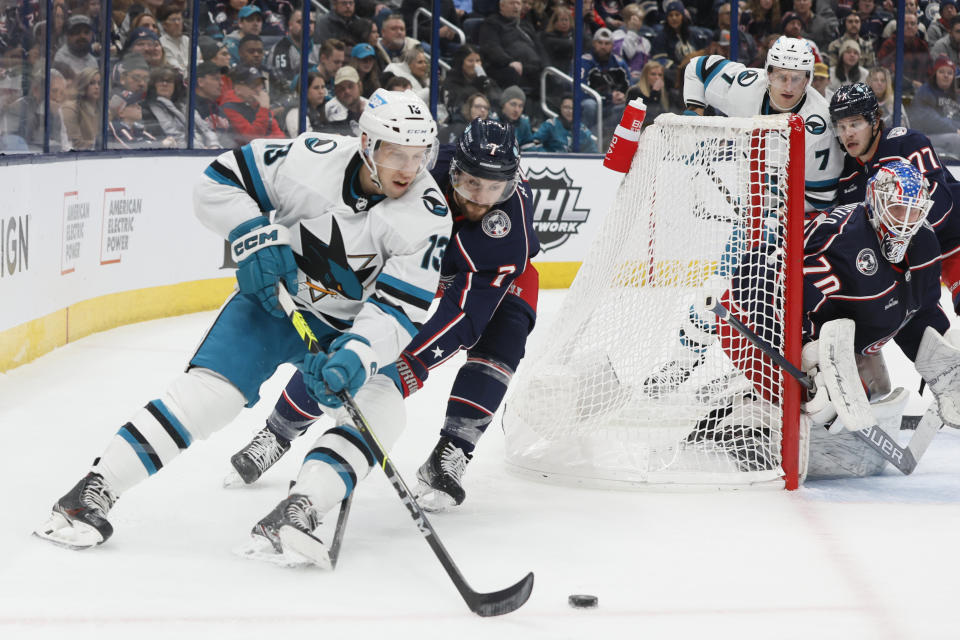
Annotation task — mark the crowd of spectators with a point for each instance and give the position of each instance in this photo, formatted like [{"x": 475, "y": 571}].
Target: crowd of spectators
[{"x": 249, "y": 64}]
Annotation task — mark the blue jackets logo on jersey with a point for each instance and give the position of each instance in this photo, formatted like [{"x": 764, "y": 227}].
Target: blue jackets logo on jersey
[
  {"x": 328, "y": 268},
  {"x": 867, "y": 262},
  {"x": 815, "y": 124},
  {"x": 496, "y": 224}
]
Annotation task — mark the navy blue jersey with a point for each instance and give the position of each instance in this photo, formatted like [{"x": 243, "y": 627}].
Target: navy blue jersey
[
  {"x": 915, "y": 148},
  {"x": 846, "y": 276},
  {"x": 478, "y": 268}
]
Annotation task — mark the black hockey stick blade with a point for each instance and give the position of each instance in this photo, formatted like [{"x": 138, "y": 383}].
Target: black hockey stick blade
[
  {"x": 503, "y": 601},
  {"x": 338, "y": 531}
]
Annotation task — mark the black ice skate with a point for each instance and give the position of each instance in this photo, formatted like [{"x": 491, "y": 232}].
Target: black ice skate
[
  {"x": 79, "y": 519},
  {"x": 257, "y": 456},
  {"x": 289, "y": 529},
  {"x": 440, "y": 485},
  {"x": 671, "y": 374}
]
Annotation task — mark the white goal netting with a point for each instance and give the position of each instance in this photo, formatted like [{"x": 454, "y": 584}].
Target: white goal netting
[{"x": 616, "y": 393}]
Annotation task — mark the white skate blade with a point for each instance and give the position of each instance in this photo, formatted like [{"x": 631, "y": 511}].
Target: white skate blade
[
  {"x": 298, "y": 543},
  {"x": 432, "y": 500},
  {"x": 233, "y": 481},
  {"x": 69, "y": 535},
  {"x": 260, "y": 550}
]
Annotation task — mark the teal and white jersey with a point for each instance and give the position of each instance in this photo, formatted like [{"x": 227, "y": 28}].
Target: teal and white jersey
[
  {"x": 739, "y": 91},
  {"x": 366, "y": 264}
]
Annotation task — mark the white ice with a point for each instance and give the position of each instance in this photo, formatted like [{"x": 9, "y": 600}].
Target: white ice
[{"x": 873, "y": 558}]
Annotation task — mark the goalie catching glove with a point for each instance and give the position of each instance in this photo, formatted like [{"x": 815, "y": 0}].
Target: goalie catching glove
[
  {"x": 345, "y": 367},
  {"x": 264, "y": 258},
  {"x": 938, "y": 361}
]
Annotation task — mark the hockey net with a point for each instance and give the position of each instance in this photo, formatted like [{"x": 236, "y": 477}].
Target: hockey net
[{"x": 612, "y": 395}]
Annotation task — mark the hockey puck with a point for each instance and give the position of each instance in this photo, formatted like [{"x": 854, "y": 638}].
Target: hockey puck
[{"x": 582, "y": 601}]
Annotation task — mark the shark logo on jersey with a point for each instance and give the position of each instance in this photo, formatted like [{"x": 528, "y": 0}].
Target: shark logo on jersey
[
  {"x": 867, "y": 262},
  {"x": 434, "y": 202},
  {"x": 320, "y": 145},
  {"x": 747, "y": 78},
  {"x": 555, "y": 214},
  {"x": 496, "y": 224},
  {"x": 328, "y": 266},
  {"x": 815, "y": 124}
]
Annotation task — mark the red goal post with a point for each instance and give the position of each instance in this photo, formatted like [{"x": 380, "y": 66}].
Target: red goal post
[{"x": 710, "y": 204}]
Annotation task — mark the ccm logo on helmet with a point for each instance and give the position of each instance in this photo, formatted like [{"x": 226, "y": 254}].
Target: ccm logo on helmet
[{"x": 253, "y": 242}]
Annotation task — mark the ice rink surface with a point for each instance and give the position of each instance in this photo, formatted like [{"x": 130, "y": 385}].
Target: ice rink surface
[{"x": 875, "y": 558}]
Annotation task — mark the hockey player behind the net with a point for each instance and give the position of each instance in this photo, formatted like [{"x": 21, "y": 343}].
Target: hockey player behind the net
[
  {"x": 876, "y": 264},
  {"x": 782, "y": 86},
  {"x": 859, "y": 125},
  {"x": 488, "y": 306},
  {"x": 350, "y": 226}
]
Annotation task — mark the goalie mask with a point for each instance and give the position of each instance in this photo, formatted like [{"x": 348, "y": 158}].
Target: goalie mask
[
  {"x": 485, "y": 166},
  {"x": 392, "y": 120},
  {"x": 898, "y": 201}
]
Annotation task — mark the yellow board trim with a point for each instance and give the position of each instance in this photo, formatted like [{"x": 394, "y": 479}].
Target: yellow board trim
[{"x": 30, "y": 340}]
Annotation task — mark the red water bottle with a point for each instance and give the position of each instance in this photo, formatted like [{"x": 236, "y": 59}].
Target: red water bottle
[{"x": 626, "y": 137}]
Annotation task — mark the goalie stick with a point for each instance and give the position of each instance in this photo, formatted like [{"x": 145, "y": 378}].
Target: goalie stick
[
  {"x": 483, "y": 604},
  {"x": 903, "y": 458}
]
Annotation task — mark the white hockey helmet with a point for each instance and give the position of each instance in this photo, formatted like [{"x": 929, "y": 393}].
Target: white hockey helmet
[
  {"x": 791, "y": 53},
  {"x": 400, "y": 118}
]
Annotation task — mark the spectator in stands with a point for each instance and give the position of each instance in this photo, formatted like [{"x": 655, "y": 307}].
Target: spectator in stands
[
  {"x": 888, "y": 15},
  {"x": 145, "y": 20},
  {"x": 652, "y": 89},
  {"x": 882, "y": 84},
  {"x": 164, "y": 112},
  {"x": 25, "y": 116},
  {"x": 283, "y": 62},
  {"x": 556, "y": 134},
  {"x": 371, "y": 36},
  {"x": 511, "y": 49},
  {"x": 81, "y": 116},
  {"x": 227, "y": 15},
  {"x": 212, "y": 126},
  {"x": 331, "y": 58},
  {"x": 341, "y": 23},
  {"x": 250, "y": 52},
  {"x": 591, "y": 21},
  {"x": 673, "y": 43},
  {"x": 819, "y": 27},
  {"x": 249, "y": 24},
  {"x": 610, "y": 11},
  {"x": 916, "y": 53},
  {"x": 172, "y": 39},
  {"x": 851, "y": 27},
  {"x": 873, "y": 19},
  {"x": 75, "y": 53},
  {"x": 629, "y": 44},
  {"x": 58, "y": 34},
  {"x": 943, "y": 25},
  {"x": 935, "y": 109},
  {"x": 557, "y": 38},
  {"x": 415, "y": 68},
  {"x": 948, "y": 45},
  {"x": 247, "y": 107},
  {"x": 215, "y": 51},
  {"x": 821, "y": 78},
  {"x": 363, "y": 58},
  {"x": 848, "y": 69},
  {"x": 607, "y": 74},
  {"x": 134, "y": 74},
  {"x": 791, "y": 25},
  {"x": 144, "y": 41},
  {"x": 316, "y": 99},
  {"x": 763, "y": 17},
  {"x": 448, "y": 11},
  {"x": 397, "y": 83},
  {"x": 126, "y": 128},
  {"x": 466, "y": 77},
  {"x": 475, "y": 106},
  {"x": 512, "y": 102},
  {"x": 394, "y": 42},
  {"x": 348, "y": 102},
  {"x": 746, "y": 44}
]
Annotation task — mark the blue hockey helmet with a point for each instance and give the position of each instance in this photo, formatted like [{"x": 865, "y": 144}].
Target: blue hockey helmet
[
  {"x": 854, "y": 100},
  {"x": 898, "y": 201},
  {"x": 486, "y": 164}
]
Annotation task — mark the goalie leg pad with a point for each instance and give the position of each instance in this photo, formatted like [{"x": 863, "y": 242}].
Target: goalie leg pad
[
  {"x": 938, "y": 361},
  {"x": 841, "y": 377}
]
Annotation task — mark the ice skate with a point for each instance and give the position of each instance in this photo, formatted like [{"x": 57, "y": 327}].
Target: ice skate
[
  {"x": 671, "y": 374},
  {"x": 256, "y": 457},
  {"x": 79, "y": 519},
  {"x": 440, "y": 478},
  {"x": 285, "y": 535}
]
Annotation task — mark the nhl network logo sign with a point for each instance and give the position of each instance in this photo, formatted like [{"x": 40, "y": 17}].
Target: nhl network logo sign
[{"x": 556, "y": 217}]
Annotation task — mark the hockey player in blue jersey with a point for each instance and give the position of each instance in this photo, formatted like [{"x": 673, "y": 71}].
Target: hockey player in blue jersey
[
  {"x": 488, "y": 306},
  {"x": 350, "y": 226},
  {"x": 858, "y": 122}
]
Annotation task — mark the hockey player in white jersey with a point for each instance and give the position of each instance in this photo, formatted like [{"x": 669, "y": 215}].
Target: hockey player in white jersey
[
  {"x": 349, "y": 226},
  {"x": 782, "y": 87}
]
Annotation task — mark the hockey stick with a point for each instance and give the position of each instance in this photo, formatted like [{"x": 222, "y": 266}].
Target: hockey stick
[
  {"x": 904, "y": 459},
  {"x": 483, "y": 604}
]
